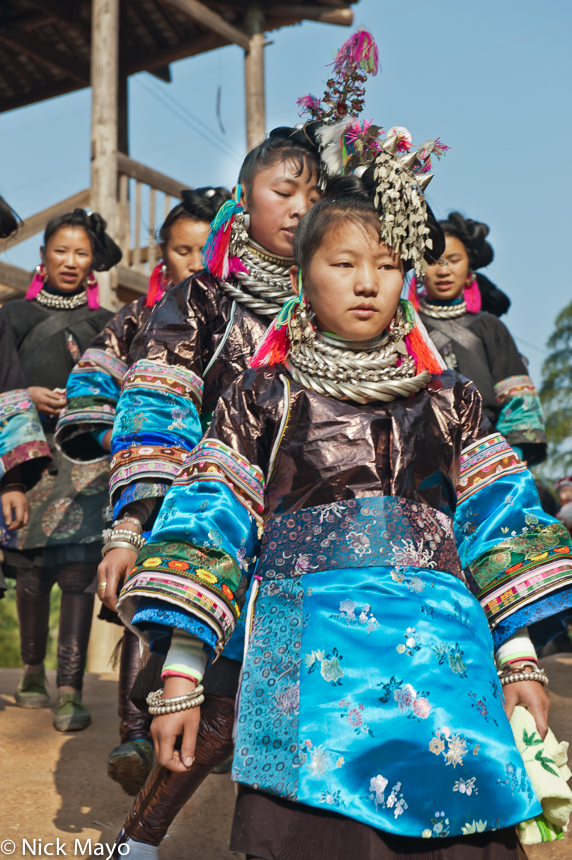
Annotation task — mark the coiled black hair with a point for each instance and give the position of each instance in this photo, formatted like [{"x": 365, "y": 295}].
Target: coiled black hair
[
  {"x": 199, "y": 204},
  {"x": 9, "y": 220},
  {"x": 282, "y": 144},
  {"x": 106, "y": 253},
  {"x": 473, "y": 235},
  {"x": 350, "y": 198}
]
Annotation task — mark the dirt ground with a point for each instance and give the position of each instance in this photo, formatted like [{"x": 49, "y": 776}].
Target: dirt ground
[{"x": 56, "y": 785}]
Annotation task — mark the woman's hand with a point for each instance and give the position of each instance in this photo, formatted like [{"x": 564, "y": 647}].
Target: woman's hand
[
  {"x": 47, "y": 401},
  {"x": 533, "y": 696},
  {"x": 113, "y": 571},
  {"x": 15, "y": 509},
  {"x": 167, "y": 728}
]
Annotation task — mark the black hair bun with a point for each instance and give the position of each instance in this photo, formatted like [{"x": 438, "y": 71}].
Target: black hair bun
[
  {"x": 494, "y": 301},
  {"x": 473, "y": 235},
  {"x": 106, "y": 253},
  {"x": 305, "y": 135},
  {"x": 9, "y": 220},
  {"x": 204, "y": 203}
]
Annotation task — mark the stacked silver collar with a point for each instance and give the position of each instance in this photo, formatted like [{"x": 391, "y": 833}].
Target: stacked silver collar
[
  {"x": 67, "y": 303},
  {"x": 266, "y": 286},
  {"x": 362, "y": 372},
  {"x": 442, "y": 312}
]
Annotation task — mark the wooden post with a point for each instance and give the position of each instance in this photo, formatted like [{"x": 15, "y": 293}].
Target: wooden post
[
  {"x": 254, "y": 76},
  {"x": 104, "y": 109}
]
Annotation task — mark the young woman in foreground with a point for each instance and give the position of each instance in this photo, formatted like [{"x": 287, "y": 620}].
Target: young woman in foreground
[{"x": 347, "y": 468}]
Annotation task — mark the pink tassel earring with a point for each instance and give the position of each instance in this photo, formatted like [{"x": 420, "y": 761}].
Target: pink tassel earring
[
  {"x": 472, "y": 294},
  {"x": 38, "y": 281},
  {"x": 92, "y": 288}
]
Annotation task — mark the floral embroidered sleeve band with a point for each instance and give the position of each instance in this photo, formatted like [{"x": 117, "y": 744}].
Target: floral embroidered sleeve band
[
  {"x": 22, "y": 440},
  {"x": 156, "y": 427},
  {"x": 520, "y": 418},
  {"x": 94, "y": 385},
  {"x": 519, "y": 559}
]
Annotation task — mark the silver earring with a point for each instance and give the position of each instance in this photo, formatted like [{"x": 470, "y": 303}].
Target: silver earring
[{"x": 246, "y": 220}]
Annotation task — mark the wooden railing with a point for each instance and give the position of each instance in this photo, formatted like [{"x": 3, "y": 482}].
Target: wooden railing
[
  {"x": 145, "y": 197},
  {"x": 140, "y": 211}
]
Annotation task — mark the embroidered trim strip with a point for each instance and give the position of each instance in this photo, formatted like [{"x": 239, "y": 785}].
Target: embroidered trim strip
[
  {"x": 527, "y": 589},
  {"x": 22, "y": 453},
  {"x": 150, "y": 375},
  {"x": 514, "y": 386},
  {"x": 93, "y": 359},
  {"x": 17, "y": 400},
  {"x": 484, "y": 462},
  {"x": 189, "y": 593},
  {"x": 145, "y": 461},
  {"x": 97, "y": 414},
  {"x": 212, "y": 460}
]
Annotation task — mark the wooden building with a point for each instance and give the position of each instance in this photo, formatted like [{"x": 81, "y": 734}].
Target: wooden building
[{"x": 52, "y": 47}]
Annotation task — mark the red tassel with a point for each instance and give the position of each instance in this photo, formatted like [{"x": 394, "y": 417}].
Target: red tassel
[
  {"x": 419, "y": 349},
  {"x": 472, "y": 296},
  {"x": 274, "y": 347},
  {"x": 157, "y": 285}
]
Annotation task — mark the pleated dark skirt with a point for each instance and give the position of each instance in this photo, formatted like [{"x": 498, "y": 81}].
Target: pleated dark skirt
[{"x": 274, "y": 829}]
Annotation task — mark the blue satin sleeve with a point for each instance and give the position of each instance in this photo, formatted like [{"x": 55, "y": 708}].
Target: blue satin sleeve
[
  {"x": 202, "y": 551},
  {"x": 517, "y": 556}
]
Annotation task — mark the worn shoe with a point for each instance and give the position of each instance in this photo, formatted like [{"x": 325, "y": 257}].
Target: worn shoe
[
  {"x": 71, "y": 715},
  {"x": 32, "y": 692},
  {"x": 130, "y": 764},
  {"x": 225, "y": 767}
]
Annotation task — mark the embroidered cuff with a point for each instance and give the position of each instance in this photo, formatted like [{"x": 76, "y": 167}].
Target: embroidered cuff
[
  {"x": 186, "y": 657},
  {"x": 516, "y": 647}
]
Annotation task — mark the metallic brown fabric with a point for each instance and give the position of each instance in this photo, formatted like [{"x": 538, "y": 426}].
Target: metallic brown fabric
[
  {"x": 271, "y": 828},
  {"x": 134, "y": 724},
  {"x": 118, "y": 334},
  {"x": 165, "y": 793},
  {"x": 188, "y": 327},
  {"x": 334, "y": 450},
  {"x": 33, "y": 587}
]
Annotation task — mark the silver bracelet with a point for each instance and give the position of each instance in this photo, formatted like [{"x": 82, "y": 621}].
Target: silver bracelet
[
  {"x": 124, "y": 534},
  {"x": 158, "y": 705},
  {"x": 126, "y": 519},
  {"x": 539, "y": 675},
  {"x": 118, "y": 544}
]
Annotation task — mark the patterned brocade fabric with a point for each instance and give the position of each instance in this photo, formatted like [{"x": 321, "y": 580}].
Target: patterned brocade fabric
[
  {"x": 520, "y": 418},
  {"x": 519, "y": 558},
  {"x": 22, "y": 439}
]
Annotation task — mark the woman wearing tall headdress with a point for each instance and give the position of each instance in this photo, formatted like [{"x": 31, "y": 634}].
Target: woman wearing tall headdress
[
  {"x": 24, "y": 452},
  {"x": 344, "y": 469},
  {"x": 194, "y": 345},
  {"x": 92, "y": 393},
  {"x": 61, "y": 543},
  {"x": 453, "y": 303}
]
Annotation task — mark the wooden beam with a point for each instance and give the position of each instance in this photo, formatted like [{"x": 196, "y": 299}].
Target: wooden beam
[
  {"x": 163, "y": 73},
  {"x": 323, "y": 14},
  {"x": 33, "y": 96},
  {"x": 212, "y": 21},
  {"x": 254, "y": 89},
  {"x": 44, "y": 53},
  {"x": 154, "y": 178},
  {"x": 104, "y": 111},
  {"x": 14, "y": 277},
  {"x": 132, "y": 63},
  {"x": 35, "y": 223}
]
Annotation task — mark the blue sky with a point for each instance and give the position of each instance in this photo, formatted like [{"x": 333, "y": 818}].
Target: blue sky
[{"x": 492, "y": 79}]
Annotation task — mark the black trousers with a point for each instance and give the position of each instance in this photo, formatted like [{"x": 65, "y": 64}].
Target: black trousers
[
  {"x": 134, "y": 725},
  {"x": 33, "y": 587}
]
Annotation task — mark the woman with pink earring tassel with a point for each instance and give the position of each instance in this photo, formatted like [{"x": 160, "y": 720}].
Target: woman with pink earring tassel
[
  {"x": 61, "y": 543},
  {"x": 460, "y": 309}
]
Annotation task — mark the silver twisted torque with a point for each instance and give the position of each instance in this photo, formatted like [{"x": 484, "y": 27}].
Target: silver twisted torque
[{"x": 442, "y": 312}]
